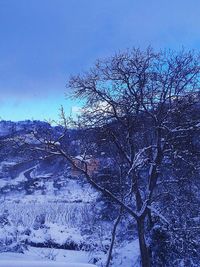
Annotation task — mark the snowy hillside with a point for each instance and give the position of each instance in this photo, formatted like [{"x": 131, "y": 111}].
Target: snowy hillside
[{"x": 48, "y": 212}]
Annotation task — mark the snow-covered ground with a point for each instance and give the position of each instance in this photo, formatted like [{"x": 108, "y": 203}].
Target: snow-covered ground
[
  {"x": 72, "y": 191},
  {"x": 69, "y": 219},
  {"x": 125, "y": 256},
  {"x": 69, "y": 214},
  {"x": 37, "y": 257},
  {"x": 41, "y": 264}
]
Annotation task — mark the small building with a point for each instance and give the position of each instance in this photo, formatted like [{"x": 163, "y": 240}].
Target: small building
[{"x": 85, "y": 162}]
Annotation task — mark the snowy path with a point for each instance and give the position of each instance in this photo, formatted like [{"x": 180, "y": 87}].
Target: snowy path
[
  {"x": 23, "y": 176},
  {"x": 27, "y": 173}
]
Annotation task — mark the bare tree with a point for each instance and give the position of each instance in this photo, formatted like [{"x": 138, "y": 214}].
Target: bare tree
[
  {"x": 116, "y": 223},
  {"x": 137, "y": 104}
]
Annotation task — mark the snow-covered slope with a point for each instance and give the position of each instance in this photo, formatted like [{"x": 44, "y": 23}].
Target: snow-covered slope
[{"x": 48, "y": 212}]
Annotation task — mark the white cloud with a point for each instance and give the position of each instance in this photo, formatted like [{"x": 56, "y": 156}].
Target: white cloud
[{"x": 76, "y": 110}]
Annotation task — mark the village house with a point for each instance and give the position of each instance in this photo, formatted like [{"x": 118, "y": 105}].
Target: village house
[{"x": 83, "y": 162}]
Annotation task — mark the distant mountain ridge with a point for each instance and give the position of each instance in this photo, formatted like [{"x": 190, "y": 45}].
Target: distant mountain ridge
[{"x": 11, "y": 127}]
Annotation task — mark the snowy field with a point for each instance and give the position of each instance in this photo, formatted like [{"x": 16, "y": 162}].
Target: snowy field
[
  {"x": 64, "y": 221},
  {"x": 69, "y": 220},
  {"x": 69, "y": 214}
]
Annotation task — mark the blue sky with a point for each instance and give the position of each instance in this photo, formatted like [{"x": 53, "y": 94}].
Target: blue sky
[{"x": 44, "y": 41}]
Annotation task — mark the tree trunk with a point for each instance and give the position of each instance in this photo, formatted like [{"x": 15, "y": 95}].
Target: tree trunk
[
  {"x": 113, "y": 238},
  {"x": 144, "y": 252}
]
